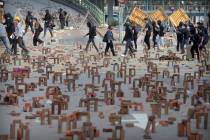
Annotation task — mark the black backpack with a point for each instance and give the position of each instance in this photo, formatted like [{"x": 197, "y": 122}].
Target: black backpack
[{"x": 105, "y": 38}]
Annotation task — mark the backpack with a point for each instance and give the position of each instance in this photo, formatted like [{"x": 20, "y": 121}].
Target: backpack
[
  {"x": 105, "y": 39},
  {"x": 94, "y": 30}
]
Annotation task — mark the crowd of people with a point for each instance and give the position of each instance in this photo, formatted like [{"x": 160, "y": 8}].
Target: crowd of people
[
  {"x": 188, "y": 34},
  {"x": 13, "y": 29}
]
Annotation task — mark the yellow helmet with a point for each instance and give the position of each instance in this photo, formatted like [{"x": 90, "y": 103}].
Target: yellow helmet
[{"x": 17, "y": 18}]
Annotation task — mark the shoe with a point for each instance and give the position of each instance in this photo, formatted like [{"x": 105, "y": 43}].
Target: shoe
[{"x": 123, "y": 55}]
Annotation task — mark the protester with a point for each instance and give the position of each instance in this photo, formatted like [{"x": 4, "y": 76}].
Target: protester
[
  {"x": 196, "y": 39},
  {"x": 109, "y": 41},
  {"x": 161, "y": 35},
  {"x": 48, "y": 24},
  {"x": 29, "y": 22},
  {"x": 148, "y": 28},
  {"x": 180, "y": 38},
  {"x": 10, "y": 27},
  {"x": 66, "y": 19},
  {"x": 18, "y": 36},
  {"x": 38, "y": 29},
  {"x": 135, "y": 36},
  {"x": 203, "y": 31},
  {"x": 128, "y": 38},
  {"x": 91, "y": 34},
  {"x": 62, "y": 18}
]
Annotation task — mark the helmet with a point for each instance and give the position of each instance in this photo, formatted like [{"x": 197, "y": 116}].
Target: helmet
[{"x": 17, "y": 18}]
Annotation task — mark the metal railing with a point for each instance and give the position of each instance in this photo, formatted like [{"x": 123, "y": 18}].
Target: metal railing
[{"x": 84, "y": 6}]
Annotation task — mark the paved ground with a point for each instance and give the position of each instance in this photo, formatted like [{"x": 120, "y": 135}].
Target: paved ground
[
  {"x": 69, "y": 38},
  {"x": 68, "y": 41}
]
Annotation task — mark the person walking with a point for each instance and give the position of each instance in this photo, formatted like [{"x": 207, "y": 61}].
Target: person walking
[
  {"x": 29, "y": 22},
  {"x": 128, "y": 38},
  {"x": 10, "y": 27},
  {"x": 4, "y": 38},
  {"x": 91, "y": 34},
  {"x": 38, "y": 29},
  {"x": 135, "y": 36},
  {"x": 18, "y": 36},
  {"x": 62, "y": 18},
  {"x": 109, "y": 41},
  {"x": 196, "y": 39},
  {"x": 148, "y": 28},
  {"x": 161, "y": 34},
  {"x": 48, "y": 24},
  {"x": 180, "y": 38}
]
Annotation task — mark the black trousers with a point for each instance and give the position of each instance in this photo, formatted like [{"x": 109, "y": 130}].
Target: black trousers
[
  {"x": 36, "y": 38},
  {"x": 135, "y": 42},
  {"x": 194, "y": 49},
  {"x": 31, "y": 26},
  {"x": 154, "y": 40},
  {"x": 110, "y": 45},
  {"x": 93, "y": 42},
  {"x": 147, "y": 41},
  {"x": 18, "y": 41},
  {"x": 62, "y": 22}
]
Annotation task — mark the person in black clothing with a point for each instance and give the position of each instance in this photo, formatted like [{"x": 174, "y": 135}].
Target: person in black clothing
[
  {"x": 155, "y": 33},
  {"x": 204, "y": 36},
  {"x": 48, "y": 24},
  {"x": 128, "y": 38},
  {"x": 148, "y": 28},
  {"x": 196, "y": 39},
  {"x": 109, "y": 41},
  {"x": 29, "y": 22},
  {"x": 135, "y": 36},
  {"x": 10, "y": 26},
  {"x": 62, "y": 18},
  {"x": 161, "y": 34},
  {"x": 38, "y": 30},
  {"x": 180, "y": 37},
  {"x": 92, "y": 34},
  {"x": 66, "y": 19}
]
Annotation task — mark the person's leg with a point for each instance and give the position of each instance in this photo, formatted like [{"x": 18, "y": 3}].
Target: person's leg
[
  {"x": 88, "y": 43},
  {"x": 26, "y": 29},
  {"x": 147, "y": 42},
  {"x": 126, "y": 47},
  {"x": 45, "y": 29},
  {"x": 21, "y": 44},
  {"x": 130, "y": 46},
  {"x": 154, "y": 40},
  {"x": 182, "y": 47},
  {"x": 94, "y": 45},
  {"x": 112, "y": 48},
  {"x": 192, "y": 51},
  {"x": 5, "y": 42},
  {"x": 35, "y": 40},
  {"x": 50, "y": 30},
  {"x": 14, "y": 46},
  {"x": 197, "y": 52},
  {"x": 135, "y": 43},
  {"x": 107, "y": 47},
  {"x": 31, "y": 26}
]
